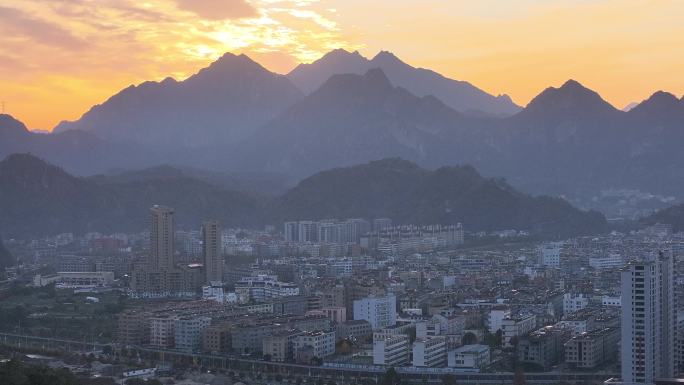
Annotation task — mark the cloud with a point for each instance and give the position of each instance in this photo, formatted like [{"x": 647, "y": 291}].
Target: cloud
[
  {"x": 218, "y": 9},
  {"x": 17, "y": 24}
]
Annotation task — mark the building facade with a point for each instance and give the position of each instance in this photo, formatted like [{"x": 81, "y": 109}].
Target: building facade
[
  {"x": 648, "y": 319},
  {"x": 211, "y": 252}
]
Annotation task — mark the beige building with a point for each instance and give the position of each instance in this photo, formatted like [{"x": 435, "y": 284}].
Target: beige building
[
  {"x": 590, "y": 349},
  {"x": 216, "y": 338},
  {"x": 160, "y": 277},
  {"x": 162, "y": 332},
  {"x": 162, "y": 230},
  {"x": 280, "y": 345}
]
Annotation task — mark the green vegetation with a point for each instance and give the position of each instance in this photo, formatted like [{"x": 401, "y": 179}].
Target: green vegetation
[
  {"x": 391, "y": 377},
  {"x": 403, "y": 191},
  {"x": 60, "y": 313},
  {"x": 17, "y": 373},
  {"x": 673, "y": 215},
  {"x": 393, "y": 188}
]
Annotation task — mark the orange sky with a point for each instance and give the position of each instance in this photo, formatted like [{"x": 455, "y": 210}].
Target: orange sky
[{"x": 59, "y": 57}]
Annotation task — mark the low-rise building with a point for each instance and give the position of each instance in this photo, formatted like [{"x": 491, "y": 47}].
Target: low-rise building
[
  {"x": 188, "y": 332},
  {"x": 469, "y": 357},
  {"x": 76, "y": 279},
  {"x": 264, "y": 287},
  {"x": 280, "y": 346},
  {"x": 322, "y": 343},
  {"x": 573, "y": 302},
  {"x": 590, "y": 349},
  {"x": 516, "y": 327},
  {"x": 543, "y": 347},
  {"x": 355, "y": 330},
  {"x": 610, "y": 261}
]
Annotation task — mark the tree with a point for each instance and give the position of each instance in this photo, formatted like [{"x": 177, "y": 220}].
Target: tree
[
  {"x": 499, "y": 337},
  {"x": 391, "y": 377},
  {"x": 469, "y": 339}
]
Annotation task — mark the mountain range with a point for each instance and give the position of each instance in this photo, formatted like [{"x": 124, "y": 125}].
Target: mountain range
[
  {"x": 407, "y": 193},
  {"x": 38, "y": 198},
  {"x": 457, "y": 94},
  {"x": 221, "y": 103},
  {"x": 236, "y": 117},
  {"x": 673, "y": 215}
]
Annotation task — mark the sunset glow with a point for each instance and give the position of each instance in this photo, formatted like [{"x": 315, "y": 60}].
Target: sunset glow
[{"x": 58, "y": 58}]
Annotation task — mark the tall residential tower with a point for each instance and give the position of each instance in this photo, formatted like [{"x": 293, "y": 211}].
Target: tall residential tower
[
  {"x": 211, "y": 251},
  {"x": 161, "y": 237},
  {"x": 648, "y": 320}
]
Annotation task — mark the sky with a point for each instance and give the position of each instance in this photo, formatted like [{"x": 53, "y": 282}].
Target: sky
[{"x": 60, "y": 57}]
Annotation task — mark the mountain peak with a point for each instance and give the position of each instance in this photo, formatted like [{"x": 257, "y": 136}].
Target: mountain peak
[
  {"x": 572, "y": 84},
  {"x": 658, "y": 103},
  {"x": 229, "y": 60},
  {"x": 11, "y": 126},
  {"x": 662, "y": 97},
  {"x": 340, "y": 52},
  {"x": 386, "y": 59},
  {"x": 572, "y": 97},
  {"x": 385, "y": 55}
]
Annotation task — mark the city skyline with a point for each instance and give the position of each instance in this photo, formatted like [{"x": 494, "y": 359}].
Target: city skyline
[{"x": 89, "y": 51}]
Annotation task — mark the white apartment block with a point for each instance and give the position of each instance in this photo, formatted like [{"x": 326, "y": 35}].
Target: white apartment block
[
  {"x": 611, "y": 301},
  {"x": 391, "y": 351},
  {"x": 188, "y": 332},
  {"x": 427, "y": 328},
  {"x": 380, "y": 312},
  {"x": 322, "y": 343},
  {"x": 549, "y": 254},
  {"x": 516, "y": 327},
  {"x": 469, "y": 357},
  {"x": 430, "y": 352},
  {"x": 496, "y": 317},
  {"x": 573, "y": 302},
  {"x": 648, "y": 320},
  {"x": 611, "y": 261},
  {"x": 264, "y": 287}
]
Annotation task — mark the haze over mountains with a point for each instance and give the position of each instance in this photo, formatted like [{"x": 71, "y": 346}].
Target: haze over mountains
[
  {"x": 36, "y": 198},
  {"x": 459, "y": 95},
  {"x": 221, "y": 103},
  {"x": 235, "y": 116}
]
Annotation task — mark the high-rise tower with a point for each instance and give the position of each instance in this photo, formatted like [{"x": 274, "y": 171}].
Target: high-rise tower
[
  {"x": 211, "y": 251},
  {"x": 161, "y": 237},
  {"x": 648, "y": 320}
]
